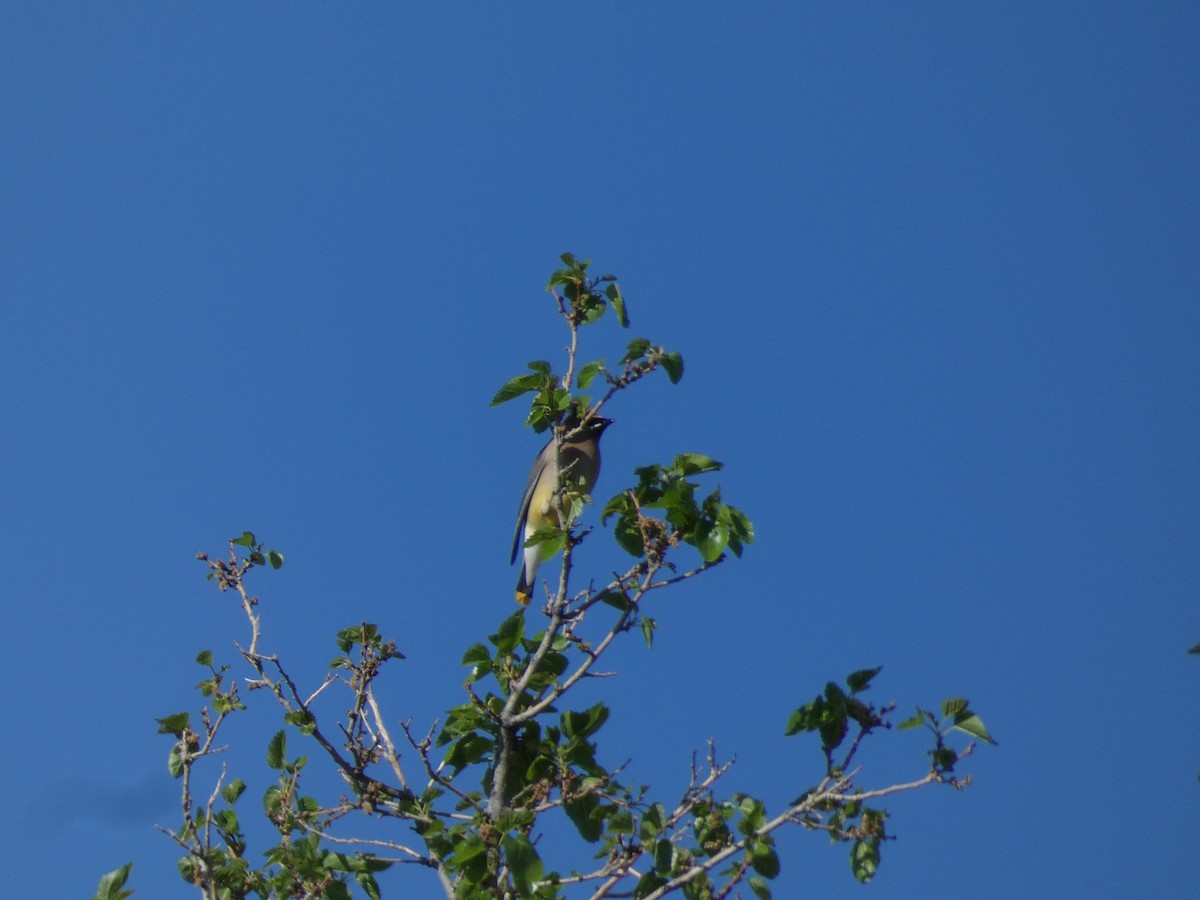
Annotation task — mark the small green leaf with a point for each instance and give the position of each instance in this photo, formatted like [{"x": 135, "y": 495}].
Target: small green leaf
[
  {"x": 944, "y": 758},
  {"x": 276, "y": 749},
  {"x": 301, "y": 719},
  {"x": 613, "y": 292},
  {"x": 672, "y": 364},
  {"x": 476, "y": 654},
  {"x": 523, "y": 862},
  {"x": 648, "y": 626},
  {"x": 583, "y": 813},
  {"x": 173, "y": 724},
  {"x": 468, "y": 751},
  {"x": 915, "y": 721},
  {"x": 636, "y": 349},
  {"x": 614, "y": 599},
  {"x": 275, "y": 558},
  {"x": 584, "y": 724},
  {"x": 233, "y": 790},
  {"x": 550, "y": 538},
  {"x": 663, "y": 852},
  {"x": 508, "y": 635},
  {"x": 587, "y": 372},
  {"x": 112, "y": 883},
  {"x": 972, "y": 725},
  {"x": 204, "y": 658},
  {"x": 764, "y": 860},
  {"x": 621, "y": 822},
  {"x": 864, "y": 860},
  {"x": 523, "y": 384},
  {"x": 246, "y": 540},
  {"x": 175, "y": 760},
  {"x": 711, "y": 540},
  {"x": 954, "y": 706},
  {"x": 652, "y": 822},
  {"x": 808, "y": 717},
  {"x": 758, "y": 885},
  {"x": 370, "y": 887},
  {"x": 861, "y": 680},
  {"x": 348, "y": 637},
  {"x": 695, "y": 464},
  {"x": 648, "y": 884}
]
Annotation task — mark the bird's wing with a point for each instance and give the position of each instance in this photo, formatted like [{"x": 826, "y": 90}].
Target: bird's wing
[{"x": 539, "y": 466}]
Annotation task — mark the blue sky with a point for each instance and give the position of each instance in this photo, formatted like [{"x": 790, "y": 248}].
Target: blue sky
[{"x": 934, "y": 272}]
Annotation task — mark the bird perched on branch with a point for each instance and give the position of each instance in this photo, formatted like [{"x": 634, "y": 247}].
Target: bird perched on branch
[{"x": 579, "y": 458}]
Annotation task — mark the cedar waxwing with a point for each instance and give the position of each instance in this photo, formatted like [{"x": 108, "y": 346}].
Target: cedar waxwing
[{"x": 580, "y": 458}]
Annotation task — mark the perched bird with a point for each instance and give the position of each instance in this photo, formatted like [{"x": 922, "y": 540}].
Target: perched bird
[{"x": 580, "y": 459}]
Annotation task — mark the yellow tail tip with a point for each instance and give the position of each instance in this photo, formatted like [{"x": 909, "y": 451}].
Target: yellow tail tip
[{"x": 523, "y": 598}]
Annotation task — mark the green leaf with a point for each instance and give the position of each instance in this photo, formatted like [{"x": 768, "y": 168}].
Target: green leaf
[
  {"x": 204, "y": 658},
  {"x": 695, "y": 464},
  {"x": 348, "y": 637},
  {"x": 915, "y": 721},
  {"x": 861, "y": 680},
  {"x": 111, "y": 884},
  {"x": 477, "y": 654},
  {"x": 302, "y": 719},
  {"x": 370, "y": 887},
  {"x": 275, "y": 558},
  {"x": 764, "y": 860},
  {"x": 276, "y": 749},
  {"x": 469, "y": 750},
  {"x": 508, "y": 635},
  {"x": 636, "y": 349},
  {"x": 613, "y": 292},
  {"x": 583, "y": 813},
  {"x": 273, "y": 800},
  {"x": 1195, "y": 649},
  {"x": 672, "y": 364},
  {"x": 621, "y": 822},
  {"x": 972, "y": 725},
  {"x": 233, "y": 790},
  {"x": 864, "y": 860},
  {"x": 523, "y": 862},
  {"x": 648, "y": 884},
  {"x": 175, "y": 760},
  {"x": 550, "y": 538},
  {"x": 663, "y": 853},
  {"x": 807, "y": 718},
  {"x": 246, "y": 540},
  {"x": 648, "y": 626},
  {"x": 652, "y": 822},
  {"x": 944, "y": 758},
  {"x": 758, "y": 885},
  {"x": 584, "y": 724},
  {"x": 954, "y": 706},
  {"x": 523, "y": 384},
  {"x": 711, "y": 540},
  {"x": 173, "y": 724},
  {"x": 587, "y": 372},
  {"x": 614, "y": 599}
]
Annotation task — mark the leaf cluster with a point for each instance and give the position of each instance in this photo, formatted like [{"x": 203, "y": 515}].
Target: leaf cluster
[
  {"x": 709, "y": 525},
  {"x": 833, "y": 715}
]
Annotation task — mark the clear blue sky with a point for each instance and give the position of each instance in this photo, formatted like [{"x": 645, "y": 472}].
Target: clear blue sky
[{"x": 934, "y": 272}]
